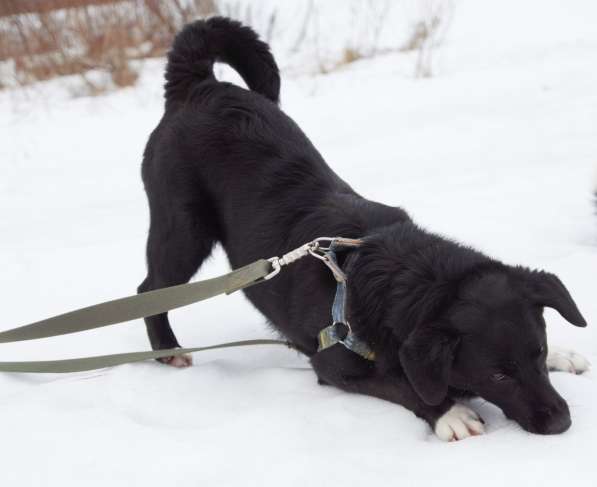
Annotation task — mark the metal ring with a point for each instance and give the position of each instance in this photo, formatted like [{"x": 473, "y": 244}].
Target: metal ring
[
  {"x": 347, "y": 325},
  {"x": 318, "y": 246}
]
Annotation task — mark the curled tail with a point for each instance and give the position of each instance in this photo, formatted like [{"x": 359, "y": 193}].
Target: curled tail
[{"x": 199, "y": 44}]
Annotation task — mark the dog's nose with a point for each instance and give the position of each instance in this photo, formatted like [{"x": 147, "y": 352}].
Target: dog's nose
[
  {"x": 554, "y": 420},
  {"x": 557, "y": 424}
]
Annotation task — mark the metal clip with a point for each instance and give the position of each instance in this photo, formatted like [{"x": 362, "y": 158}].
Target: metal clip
[
  {"x": 287, "y": 259},
  {"x": 321, "y": 254},
  {"x": 317, "y": 248},
  {"x": 275, "y": 261}
]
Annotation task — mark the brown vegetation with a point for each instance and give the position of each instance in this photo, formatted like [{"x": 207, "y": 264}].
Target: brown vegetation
[
  {"x": 50, "y": 38},
  {"x": 99, "y": 41}
]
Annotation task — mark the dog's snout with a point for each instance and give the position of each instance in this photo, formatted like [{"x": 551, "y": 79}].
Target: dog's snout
[{"x": 552, "y": 420}]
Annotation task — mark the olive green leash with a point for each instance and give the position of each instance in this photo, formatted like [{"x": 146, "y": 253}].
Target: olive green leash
[
  {"x": 101, "y": 361},
  {"x": 156, "y": 302},
  {"x": 130, "y": 308}
]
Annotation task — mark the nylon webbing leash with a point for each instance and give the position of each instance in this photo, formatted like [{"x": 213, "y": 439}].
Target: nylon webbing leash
[
  {"x": 101, "y": 361},
  {"x": 155, "y": 302}
]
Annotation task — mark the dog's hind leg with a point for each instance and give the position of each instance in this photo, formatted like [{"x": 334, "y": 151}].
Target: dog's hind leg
[{"x": 177, "y": 245}]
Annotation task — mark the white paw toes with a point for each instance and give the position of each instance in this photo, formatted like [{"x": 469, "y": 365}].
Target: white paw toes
[
  {"x": 178, "y": 361},
  {"x": 457, "y": 423},
  {"x": 564, "y": 360}
]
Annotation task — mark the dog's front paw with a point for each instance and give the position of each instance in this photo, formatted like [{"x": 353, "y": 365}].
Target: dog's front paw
[
  {"x": 565, "y": 360},
  {"x": 458, "y": 423}
]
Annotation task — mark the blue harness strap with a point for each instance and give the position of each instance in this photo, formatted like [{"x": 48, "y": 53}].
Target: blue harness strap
[{"x": 340, "y": 331}]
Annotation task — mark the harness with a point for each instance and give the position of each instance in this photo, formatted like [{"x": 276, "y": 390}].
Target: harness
[
  {"x": 340, "y": 330},
  {"x": 166, "y": 299}
]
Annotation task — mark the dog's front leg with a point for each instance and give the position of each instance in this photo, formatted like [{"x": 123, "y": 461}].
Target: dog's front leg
[
  {"x": 564, "y": 360},
  {"x": 344, "y": 369}
]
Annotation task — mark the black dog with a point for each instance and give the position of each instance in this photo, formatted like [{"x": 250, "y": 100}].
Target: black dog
[{"x": 226, "y": 165}]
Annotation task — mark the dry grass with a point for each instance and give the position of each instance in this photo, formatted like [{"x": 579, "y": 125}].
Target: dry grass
[
  {"x": 90, "y": 35},
  {"x": 99, "y": 41},
  {"x": 427, "y": 34},
  {"x": 349, "y": 55}
]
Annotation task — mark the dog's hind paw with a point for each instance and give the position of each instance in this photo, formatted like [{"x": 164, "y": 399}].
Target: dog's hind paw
[
  {"x": 178, "y": 361},
  {"x": 458, "y": 423},
  {"x": 564, "y": 360}
]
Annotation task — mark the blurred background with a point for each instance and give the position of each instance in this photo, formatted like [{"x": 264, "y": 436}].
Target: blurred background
[
  {"x": 478, "y": 117},
  {"x": 103, "y": 42}
]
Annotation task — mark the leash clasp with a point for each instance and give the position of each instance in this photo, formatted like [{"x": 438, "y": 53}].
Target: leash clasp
[
  {"x": 319, "y": 248},
  {"x": 277, "y": 267},
  {"x": 287, "y": 259}
]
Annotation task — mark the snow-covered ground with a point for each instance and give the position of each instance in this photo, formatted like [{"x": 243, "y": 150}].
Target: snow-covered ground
[{"x": 498, "y": 150}]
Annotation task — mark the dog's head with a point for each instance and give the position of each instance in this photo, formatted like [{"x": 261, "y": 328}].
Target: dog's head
[{"x": 491, "y": 341}]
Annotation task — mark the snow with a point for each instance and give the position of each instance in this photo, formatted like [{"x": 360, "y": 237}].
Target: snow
[{"x": 497, "y": 150}]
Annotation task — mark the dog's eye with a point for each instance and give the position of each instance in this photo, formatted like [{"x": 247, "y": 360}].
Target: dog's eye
[{"x": 499, "y": 377}]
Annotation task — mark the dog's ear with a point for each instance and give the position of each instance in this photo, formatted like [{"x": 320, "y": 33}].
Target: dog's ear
[
  {"x": 426, "y": 357},
  {"x": 549, "y": 291}
]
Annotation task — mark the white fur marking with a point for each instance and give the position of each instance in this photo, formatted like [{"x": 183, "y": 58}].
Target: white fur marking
[
  {"x": 457, "y": 423},
  {"x": 178, "y": 361},
  {"x": 565, "y": 360}
]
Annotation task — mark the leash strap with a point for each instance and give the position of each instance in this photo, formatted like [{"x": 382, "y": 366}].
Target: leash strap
[
  {"x": 166, "y": 299},
  {"x": 130, "y": 308},
  {"x": 139, "y": 306},
  {"x": 101, "y": 361}
]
